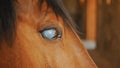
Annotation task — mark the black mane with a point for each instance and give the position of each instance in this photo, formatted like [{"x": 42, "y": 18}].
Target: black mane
[
  {"x": 8, "y": 15},
  {"x": 7, "y": 21}
]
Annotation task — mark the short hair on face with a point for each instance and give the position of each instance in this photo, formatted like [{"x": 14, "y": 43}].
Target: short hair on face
[{"x": 8, "y": 17}]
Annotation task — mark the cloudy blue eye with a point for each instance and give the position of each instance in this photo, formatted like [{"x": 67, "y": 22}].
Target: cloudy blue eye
[{"x": 51, "y": 34}]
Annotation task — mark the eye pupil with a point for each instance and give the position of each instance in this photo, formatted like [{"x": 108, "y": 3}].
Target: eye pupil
[{"x": 50, "y": 34}]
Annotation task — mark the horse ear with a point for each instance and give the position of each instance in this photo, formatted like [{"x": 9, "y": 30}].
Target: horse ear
[{"x": 7, "y": 20}]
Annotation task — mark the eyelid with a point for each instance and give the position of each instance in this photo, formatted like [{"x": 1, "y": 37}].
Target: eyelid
[
  {"x": 49, "y": 25},
  {"x": 47, "y": 28}
]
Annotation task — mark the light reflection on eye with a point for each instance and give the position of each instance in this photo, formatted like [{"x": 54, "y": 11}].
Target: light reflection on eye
[{"x": 51, "y": 34}]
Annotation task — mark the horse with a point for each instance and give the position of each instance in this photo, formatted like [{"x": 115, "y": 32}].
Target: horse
[{"x": 39, "y": 34}]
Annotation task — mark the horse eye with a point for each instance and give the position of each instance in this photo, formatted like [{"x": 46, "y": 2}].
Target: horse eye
[{"x": 51, "y": 34}]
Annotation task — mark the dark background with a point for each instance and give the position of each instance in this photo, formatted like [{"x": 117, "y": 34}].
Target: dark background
[{"x": 107, "y": 53}]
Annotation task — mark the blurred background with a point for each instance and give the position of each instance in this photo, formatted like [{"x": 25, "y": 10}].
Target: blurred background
[{"x": 99, "y": 26}]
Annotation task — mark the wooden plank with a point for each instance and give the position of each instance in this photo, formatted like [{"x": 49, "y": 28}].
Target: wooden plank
[
  {"x": 91, "y": 20},
  {"x": 108, "y": 31},
  {"x": 108, "y": 2}
]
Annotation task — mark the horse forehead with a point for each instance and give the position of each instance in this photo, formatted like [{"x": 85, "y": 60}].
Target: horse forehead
[
  {"x": 29, "y": 11},
  {"x": 27, "y": 4},
  {"x": 27, "y": 1},
  {"x": 28, "y": 7}
]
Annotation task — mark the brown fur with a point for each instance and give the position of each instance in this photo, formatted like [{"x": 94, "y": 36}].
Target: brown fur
[{"x": 31, "y": 50}]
